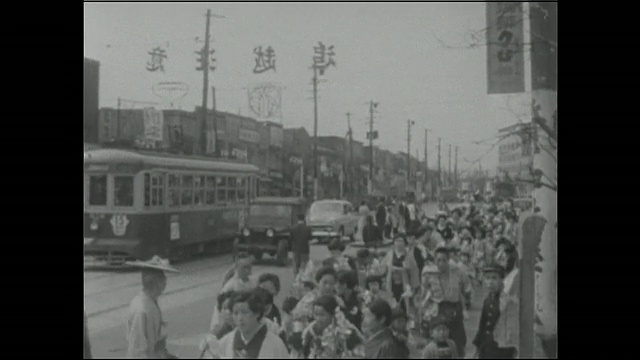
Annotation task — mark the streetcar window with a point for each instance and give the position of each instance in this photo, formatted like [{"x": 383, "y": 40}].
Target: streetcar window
[
  {"x": 174, "y": 190},
  {"x": 98, "y": 190},
  {"x": 242, "y": 189},
  {"x": 211, "y": 190},
  {"x": 221, "y": 187},
  {"x": 147, "y": 189},
  {"x": 153, "y": 190},
  {"x": 199, "y": 190},
  {"x": 231, "y": 193},
  {"x": 123, "y": 190}
]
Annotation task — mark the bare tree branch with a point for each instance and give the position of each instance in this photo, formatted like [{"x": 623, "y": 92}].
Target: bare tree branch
[
  {"x": 542, "y": 122},
  {"x": 551, "y": 154},
  {"x": 552, "y": 187}
]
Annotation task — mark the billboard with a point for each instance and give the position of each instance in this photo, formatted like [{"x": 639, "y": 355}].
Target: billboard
[
  {"x": 153, "y": 123},
  {"x": 276, "y": 136},
  {"x": 90, "y": 100},
  {"x": 249, "y": 136},
  {"x": 505, "y": 55}
]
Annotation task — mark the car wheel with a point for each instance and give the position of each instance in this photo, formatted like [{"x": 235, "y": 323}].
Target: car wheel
[{"x": 283, "y": 253}]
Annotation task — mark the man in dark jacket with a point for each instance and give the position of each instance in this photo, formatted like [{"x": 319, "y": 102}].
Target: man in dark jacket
[
  {"x": 300, "y": 238},
  {"x": 381, "y": 344}
]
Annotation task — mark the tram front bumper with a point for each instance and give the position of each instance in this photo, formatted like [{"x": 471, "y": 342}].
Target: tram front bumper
[{"x": 109, "y": 252}]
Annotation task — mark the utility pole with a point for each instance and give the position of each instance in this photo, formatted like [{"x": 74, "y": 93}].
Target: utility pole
[
  {"x": 205, "y": 86},
  {"x": 409, "y": 123},
  {"x": 350, "y": 170},
  {"x": 315, "y": 133},
  {"x": 426, "y": 159},
  {"x": 215, "y": 125},
  {"x": 439, "y": 168},
  {"x": 371, "y": 147},
  {"x": 118, "y": 121},
  {"x": 455, "y": 169},
  {"x": 449, "y": 172}
]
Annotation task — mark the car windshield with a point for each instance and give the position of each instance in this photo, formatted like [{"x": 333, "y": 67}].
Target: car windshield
[
  {"x": 278, "y": 211},
  {"x": 323, "y": 209}
]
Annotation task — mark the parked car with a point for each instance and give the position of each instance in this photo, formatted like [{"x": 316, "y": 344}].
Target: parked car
[
  {"x": 523, "y": 204},
  {"x": 333, "y": 219},
  {"x": 267, "y": 228}
]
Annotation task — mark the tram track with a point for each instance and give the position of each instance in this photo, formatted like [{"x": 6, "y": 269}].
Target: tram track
[{"x": 135, "y": 283}]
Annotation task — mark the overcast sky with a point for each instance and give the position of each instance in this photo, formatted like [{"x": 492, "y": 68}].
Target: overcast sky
[{"x": 385, "y": 52}]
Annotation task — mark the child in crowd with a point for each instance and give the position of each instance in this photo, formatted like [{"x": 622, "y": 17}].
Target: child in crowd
[{"x": 441, "y": 347}]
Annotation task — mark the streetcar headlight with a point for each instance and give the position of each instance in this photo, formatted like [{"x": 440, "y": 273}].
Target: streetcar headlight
[
  {"x": 246, "y": 232},
  {"x": 270, "y": 233},
  {"x": 94, "y": 226}
]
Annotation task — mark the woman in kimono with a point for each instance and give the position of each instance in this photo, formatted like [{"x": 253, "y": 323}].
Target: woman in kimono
[
  {"x": 251, "y": 339},
  {"x": 402, "y": 272},
  {"x": 338, "y": 260},
  {"x": 236, "y": 279},
  {"x": 330, "y": 335},
  {"x": 303, "y": 314},
  {"x": 367, "y": 265}
]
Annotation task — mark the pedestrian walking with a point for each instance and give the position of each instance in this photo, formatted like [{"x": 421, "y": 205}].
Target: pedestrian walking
[
  {"x": 381, "y": 218},
  {"x": 370, "y": 234},
  {"x": 381, "y": 343},
  {"x": 388, "y": 225},
  {"x": 146, "y": 331},
  {"x": 447, "y": 286},
  {"x": 251, "y": 338},
  {"x": 330, "y": 335},
  {"x": 239, "y": 279},
  {"x": 496, "y": 310},
  {"x": 346, "y": 289},
  {"x": 402, "y": 272},
  {"x": 441, "y": 347},
  {"x": 301, "y": 236}
]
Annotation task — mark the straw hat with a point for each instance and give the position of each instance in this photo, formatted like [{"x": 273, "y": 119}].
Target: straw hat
[{"x": 155, "y": 263}]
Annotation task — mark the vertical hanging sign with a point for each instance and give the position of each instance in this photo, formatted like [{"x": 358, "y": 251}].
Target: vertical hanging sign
[{"x": 505, "y": 56}]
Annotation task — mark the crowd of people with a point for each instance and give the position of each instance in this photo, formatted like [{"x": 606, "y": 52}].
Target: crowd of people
[{"x": 410, "y": 301}]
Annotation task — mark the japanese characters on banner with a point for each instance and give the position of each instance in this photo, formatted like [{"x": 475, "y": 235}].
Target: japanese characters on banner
[
  {"x": 265, "y": 61},
  {"x": 153, "y": 123},
  {"x": 544, "y": 39},
  {"x": 505, "y": 55}
]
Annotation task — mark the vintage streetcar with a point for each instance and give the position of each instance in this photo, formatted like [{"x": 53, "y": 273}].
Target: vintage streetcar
[{"x": 140, "y": 204}]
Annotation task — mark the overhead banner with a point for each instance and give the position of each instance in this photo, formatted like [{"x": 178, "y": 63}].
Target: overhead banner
[
  {"x": 505, "y": 55},
  {"x": 265, "y": 101},
  {"x": 544, "y": 40}
]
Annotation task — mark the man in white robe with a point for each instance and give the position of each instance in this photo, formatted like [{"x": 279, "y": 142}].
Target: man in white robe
[{"x": 146, "y": 335}]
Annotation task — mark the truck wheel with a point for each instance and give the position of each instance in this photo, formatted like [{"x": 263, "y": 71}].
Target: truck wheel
[
  {"x": 283, "y": 253},
  {"x": 257, "y": 255}
]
